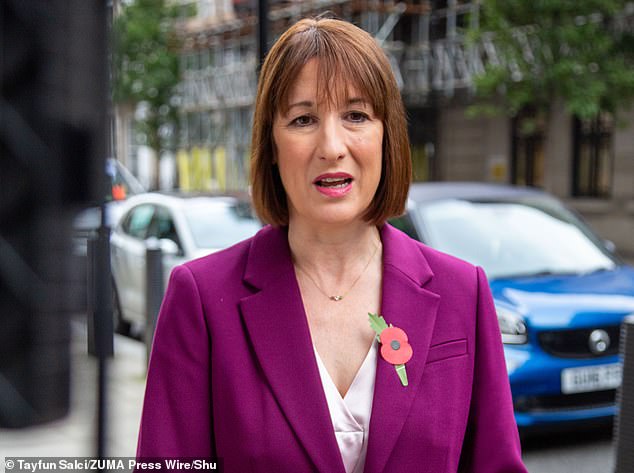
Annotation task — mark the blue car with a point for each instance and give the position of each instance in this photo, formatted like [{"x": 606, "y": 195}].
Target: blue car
[{"x": 560, "y": 293}]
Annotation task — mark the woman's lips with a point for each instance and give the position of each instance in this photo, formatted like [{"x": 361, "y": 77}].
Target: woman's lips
[{"x": 333, "y": 184}]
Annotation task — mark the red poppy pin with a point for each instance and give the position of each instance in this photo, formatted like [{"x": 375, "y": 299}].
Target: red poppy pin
[{"x": 394, "y": 346}]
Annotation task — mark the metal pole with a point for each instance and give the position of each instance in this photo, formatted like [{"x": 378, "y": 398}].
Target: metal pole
[
  {"x": 624, "y": 424},
  {"x": 104, "y": 330},
  {"x": 390, "y": 23},
  {"x": 91, "y": 256},
  {"x": 263, "y": 31},
  {"x": 153, "y": 290},
  {"x": 103, "y": 323},
  {"x": 100, "y": 322}
]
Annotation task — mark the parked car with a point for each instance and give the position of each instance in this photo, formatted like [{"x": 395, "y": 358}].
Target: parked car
[
  {"x": 123, "y": 184},
  {"x": 87, "y": 221},
  {"x": 185, "y": 227},
  {"x": 559, "y": 290}
]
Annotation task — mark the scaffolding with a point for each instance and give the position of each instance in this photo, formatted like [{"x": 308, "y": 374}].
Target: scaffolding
[
  {"x": 219, "y": 63},
  {"x": 424, "y": 40}
]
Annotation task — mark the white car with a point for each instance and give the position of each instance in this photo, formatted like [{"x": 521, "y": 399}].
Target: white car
[{"x": 186, "y": 227}]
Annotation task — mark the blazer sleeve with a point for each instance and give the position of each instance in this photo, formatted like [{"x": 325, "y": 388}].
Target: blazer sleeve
[
  {"x": 176, "y": 420},
  {"x": 491, "y": 443}
]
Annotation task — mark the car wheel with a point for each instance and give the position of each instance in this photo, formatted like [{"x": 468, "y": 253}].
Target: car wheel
[{"x": 120, "y": 324}]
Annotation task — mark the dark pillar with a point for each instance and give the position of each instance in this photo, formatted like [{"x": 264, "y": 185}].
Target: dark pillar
[
  {"x": 53, "y": 85},
  {"x": 624, "y": 425},
  {"x": 263, "y": 31}
]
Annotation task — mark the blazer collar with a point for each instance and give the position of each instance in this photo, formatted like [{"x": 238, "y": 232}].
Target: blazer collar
[
  {"x": 278, "y": 328},
  {"x": 276, "y": 322},
  {"x": 406, "y": 304}
]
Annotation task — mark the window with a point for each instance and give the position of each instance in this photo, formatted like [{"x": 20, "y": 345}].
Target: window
[
  {"x": 423, "y": 162},
  {"x": 138, "y": 220},
  {"x": 515, "y": 237},
  {"x": 162, "y": 226},
  {"x": 592, "y": 159},
  {"x": 194, "y": 132},
  {"x": 218, "y": 225},
  {"x": 527, "y": 163}
]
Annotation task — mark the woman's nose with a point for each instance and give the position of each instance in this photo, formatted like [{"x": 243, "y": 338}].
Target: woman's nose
[{"x": 331, "y": 141}]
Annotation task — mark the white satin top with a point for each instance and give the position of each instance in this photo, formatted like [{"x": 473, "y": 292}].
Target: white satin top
[{"x": 350, "y": 415}]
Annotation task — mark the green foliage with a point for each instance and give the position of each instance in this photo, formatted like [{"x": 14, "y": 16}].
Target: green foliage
[
  {"x": 568, "y": 49},
  {"x": 145, "y": 60}
]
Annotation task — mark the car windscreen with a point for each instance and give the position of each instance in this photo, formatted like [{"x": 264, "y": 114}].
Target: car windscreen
[
  {"x": 219, "y": 224},
  {"x": 514, "y": 239}
]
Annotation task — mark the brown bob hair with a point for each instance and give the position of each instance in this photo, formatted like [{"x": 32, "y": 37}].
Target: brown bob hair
[{"x": 346, "y": 55}]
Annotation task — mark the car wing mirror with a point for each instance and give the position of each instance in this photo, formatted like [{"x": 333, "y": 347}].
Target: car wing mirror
[
  {"x": 609, "y": 245},
  {"x": 170, "y": 247},
  {"x": 167, "y": 246}
]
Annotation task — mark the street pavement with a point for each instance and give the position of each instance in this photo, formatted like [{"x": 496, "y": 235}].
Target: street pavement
[
  {"x": 75, "y": 435},
  {"x": 571, "y": 452}
]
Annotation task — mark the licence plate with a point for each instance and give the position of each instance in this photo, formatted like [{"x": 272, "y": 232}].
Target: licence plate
[{"x": 591, "y": 378}]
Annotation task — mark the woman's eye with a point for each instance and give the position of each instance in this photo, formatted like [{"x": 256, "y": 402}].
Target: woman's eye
[
  {"x": 304, "y": 120},
  {"x": 357, "y": 117}
]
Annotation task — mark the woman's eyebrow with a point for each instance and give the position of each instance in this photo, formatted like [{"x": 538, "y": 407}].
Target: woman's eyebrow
[
  {"x": 358, "y": 101},
  {"x": 303, "y": 103},
  {"x": 309, "y": 104}
]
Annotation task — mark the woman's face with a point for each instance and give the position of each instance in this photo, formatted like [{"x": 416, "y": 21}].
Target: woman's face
[{"x": 328, "y": 154}]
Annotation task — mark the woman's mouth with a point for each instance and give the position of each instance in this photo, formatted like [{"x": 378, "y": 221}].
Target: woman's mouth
[
  {"x": 334, "y": 185},
  {"x": 334, "y": 182}
]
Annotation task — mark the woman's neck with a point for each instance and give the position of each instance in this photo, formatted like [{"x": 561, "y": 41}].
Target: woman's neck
[{"x": 333, "y": 252}]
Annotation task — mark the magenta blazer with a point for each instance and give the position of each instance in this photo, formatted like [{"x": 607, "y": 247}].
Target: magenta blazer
[{"x": 233, "y": 374}]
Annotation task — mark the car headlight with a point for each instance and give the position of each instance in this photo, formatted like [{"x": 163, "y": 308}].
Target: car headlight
[
  {"x": 514, "y": 359},
  {"x": 512, "y": 326}
]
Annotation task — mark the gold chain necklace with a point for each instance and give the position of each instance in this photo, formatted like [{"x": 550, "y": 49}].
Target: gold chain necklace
[{"x": 337, "y": 298}]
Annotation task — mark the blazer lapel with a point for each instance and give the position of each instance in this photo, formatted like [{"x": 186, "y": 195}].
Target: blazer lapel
[
  {"x": 408, "y": 305},
  {"x": 277, "y": 325}
]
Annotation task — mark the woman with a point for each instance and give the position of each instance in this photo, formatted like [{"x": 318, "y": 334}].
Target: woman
[{"x": 265, "y": 355}]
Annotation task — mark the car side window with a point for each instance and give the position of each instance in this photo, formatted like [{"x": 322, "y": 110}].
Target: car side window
[
  {"x": 404, "y": 224},
  {"x": 138, "y": 220},
  {"x": 163, "y": 227}
]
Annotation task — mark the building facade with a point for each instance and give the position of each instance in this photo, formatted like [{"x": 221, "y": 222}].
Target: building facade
[{"x": 590, "y": 165}]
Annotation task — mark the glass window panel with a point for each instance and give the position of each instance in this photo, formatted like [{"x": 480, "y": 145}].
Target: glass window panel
[
  {"x": 528, "y": 149},
  {"x": 218, "y": 225},
  {"x": 138, "y": 221},
  {"x": 592, "y": 161},
  {"x": 511, "y": 239}
]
